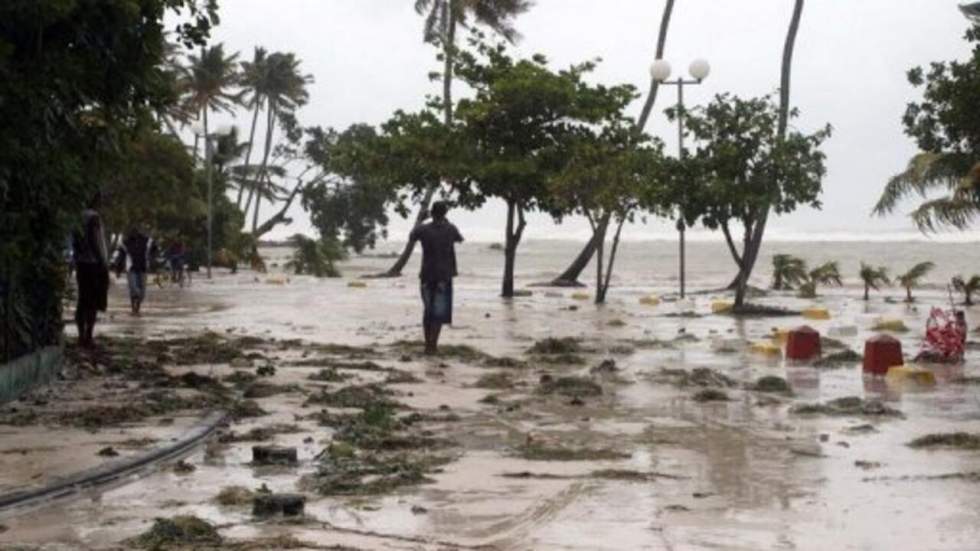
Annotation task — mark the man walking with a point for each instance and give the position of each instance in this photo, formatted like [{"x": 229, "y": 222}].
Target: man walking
[
  {"x": 91, "y": 271},
  {"x": 438, "y": 239},
  {"x": 134, "y": 256}
]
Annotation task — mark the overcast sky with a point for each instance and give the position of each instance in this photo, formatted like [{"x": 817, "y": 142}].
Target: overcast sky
[{"x": 368, "y": 59}]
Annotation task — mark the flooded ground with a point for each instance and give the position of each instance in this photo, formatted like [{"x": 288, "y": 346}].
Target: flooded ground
[{"x": 633, "y": 427}]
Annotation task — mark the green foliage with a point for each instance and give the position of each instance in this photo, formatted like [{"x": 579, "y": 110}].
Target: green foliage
[
  {"x": 742, "y": 168},
  {"x": 314, "y": 257},
  {"x": 349, "y": 205},
  {"x": 788, "y": 272},
  {"x": 968, "y": 287},
  {"x": 913, "y": 278},
  {"x": 497, "y": 15},
  {"x": 77, "y": 80},
  {"x": 873, "y": 278},
  {"x": 827, "y": 274},
  {"x": 946, "y": 127}
]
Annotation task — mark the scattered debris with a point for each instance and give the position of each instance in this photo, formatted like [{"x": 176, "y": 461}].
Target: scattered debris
[
  {"x": 772, "y": 384},
  {"x": 183, "y": 467},
  {"x": 287, "y": 505},
  {"x": 178, "y": 531},
  {"x": 234, "y": 496},
  {"x": 274, "y": 455},
  {"x": 710, "y": 395},
  {"x": 108, "y": 451},
  {"x": 570, "y": 386},
  {"x": 606, "y": 366},
  {"x": 495, "y": 381},
  {"x": 555, "y": 346},
  {"x": 539, "y": 451},
  {"x": 850, "y": 405},
  {"x": 867, "y": 465},
  {"x": 843, "y": 358},
  {"x": 701, "y": 376},
  {"x": 957, "y": 440}
]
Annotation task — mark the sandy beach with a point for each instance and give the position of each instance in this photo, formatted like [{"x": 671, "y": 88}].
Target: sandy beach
[{"x": 548, "y": 423}]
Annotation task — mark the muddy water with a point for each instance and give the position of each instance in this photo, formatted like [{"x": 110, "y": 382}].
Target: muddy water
[{"x": 741, "y": 474}]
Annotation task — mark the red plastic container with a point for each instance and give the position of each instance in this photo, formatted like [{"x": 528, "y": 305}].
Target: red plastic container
[
  {"x": 881, "y": 353},
  {"x": 803, "y": 344}
]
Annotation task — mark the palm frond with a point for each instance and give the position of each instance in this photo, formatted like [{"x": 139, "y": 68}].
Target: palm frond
[
  {"x": 913, "y": 277},
  {"x": 925, "y": 172},
  {"x": 957, "y": 212},
  {"x": 827, "y": 274}
]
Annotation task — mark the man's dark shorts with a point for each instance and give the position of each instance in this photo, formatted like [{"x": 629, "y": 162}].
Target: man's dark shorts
[
  {"x": 437, "y": 297},
  {"x": 93, "y": 287}
]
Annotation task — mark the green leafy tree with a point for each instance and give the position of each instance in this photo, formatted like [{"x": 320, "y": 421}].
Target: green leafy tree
[
  {"x": 968, "y": 287},
  {"x": 442, "y": 21},
  {"x": 873, "y": 278},
  {"x": 314, "y": 257},
  {"x": 827, "y": 274},
  {"x": 946, "y": 127},
  {"x": 788, "y": 272},
  {"x": 569, "y": 277},
  {"x": 745, "y": 168},
  {"x": 610, "y": 175},
  {"x": 510, "y": 129},
  {"x": 913, "y": 278}
]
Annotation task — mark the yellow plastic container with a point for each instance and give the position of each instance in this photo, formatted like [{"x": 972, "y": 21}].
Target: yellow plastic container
[
  {"x": 910, "y": 375},
  {"x": 892, "y": 325},
  {"x": 766, "y": 349},
  {"x": 816, "y": 314},
  {"x": 276, "y": 280},
  {"x": 650, "y": 300},
  {"x": 780, "y": 336},
  {"x": 581, "y": 296},
  {"x": 721, "y": 306},
  {"x": 357, "y": 285}
]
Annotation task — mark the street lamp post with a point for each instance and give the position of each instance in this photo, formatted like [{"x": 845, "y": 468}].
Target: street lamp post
[
  {"x": 208, "y": 156},
  {"x": 660, "y": 71}
]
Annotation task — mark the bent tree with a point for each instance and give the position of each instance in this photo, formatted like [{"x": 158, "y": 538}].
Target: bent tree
[
  {"x": 442, "y": 20},
  {"x": 510, "y": 130},
  {"x": 569, "y": 278},
  {"x": 746, "y": 168}
]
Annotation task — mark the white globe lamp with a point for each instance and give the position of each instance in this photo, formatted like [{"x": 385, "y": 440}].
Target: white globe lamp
[
  {"x": 700, "y": 69},
  {"x": 660, "y": 70}
]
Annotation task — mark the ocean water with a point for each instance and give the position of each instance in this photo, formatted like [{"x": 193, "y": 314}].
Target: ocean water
[{"x": 653, "y": 265}]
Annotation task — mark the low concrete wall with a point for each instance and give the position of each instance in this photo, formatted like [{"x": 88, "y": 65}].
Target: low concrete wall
[{"x": 26, "y": 372}]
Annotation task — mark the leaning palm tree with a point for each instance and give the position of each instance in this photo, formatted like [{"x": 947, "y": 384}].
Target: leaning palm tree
[
  {"x": 956, "y": 174},
  {"x": 968, "y": 287},
  {"x": 253, "y": 78},
  {"x": 283, "y": 89},
  {"x": 209, "y": 80},
  {"x": 826, "y": 274},
  {"x": 873, "y": 278},
  {"x": 788, "y": 272},
  {"x": 913, "y": 278},
  {"x": 442, "y": 19}
]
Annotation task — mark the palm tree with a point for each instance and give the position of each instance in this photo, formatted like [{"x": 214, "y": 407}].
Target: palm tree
[
  {"x": 283, "y": 89},
  {"x": 958, "y": 174},
  {"x": 913, "y": 278},
  {"x": 788, "y": 271},
  {"x": 967, "y": 287},
  {"x": 442, "y": 18},
  {"x": 208, "y": 81},
  {"x": 253, "y": 76},
  {"x": 873, "y": 278},
  {"x": 826, "y": 274}
]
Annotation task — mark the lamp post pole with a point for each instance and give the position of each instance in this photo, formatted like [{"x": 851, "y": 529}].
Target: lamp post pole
[
  {"x": 208, "y": 154},
  {"x": 660, "y": 70}
]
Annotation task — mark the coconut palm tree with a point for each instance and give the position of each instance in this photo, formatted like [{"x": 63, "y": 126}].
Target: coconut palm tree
[
  {"x": 253, "y": 77},
  {"x": 283, "y": 89},
  {"x": 913, "y": 278},
  {"x": 788, "y": 271},
  {"x": 442, "y": 19},
  {"x": 873, "y": 278},
  {"x": 957, "y": 174},
  {"x": 968, "y": 287},
  {"x": 826, "y": 274},
  {"x": 209, "y": 81}
]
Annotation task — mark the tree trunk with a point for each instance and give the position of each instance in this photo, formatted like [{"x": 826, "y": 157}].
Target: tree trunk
[
  {"x": 513, "y": 239},
  {"x": 604, "y": 287},
  {"x": 279, "y": 217},
  {"x": 751, "y": 252},
  {"x": 908, "y": 295},
  {"x": 600, "y": 251},
  {"x": 248, "y": 158},
  {"x": 569, "y": 278},
  {"x": 449, "y": 53},
  {"x": 867, "y": 292},
  {"x": 260, "y": 181}
]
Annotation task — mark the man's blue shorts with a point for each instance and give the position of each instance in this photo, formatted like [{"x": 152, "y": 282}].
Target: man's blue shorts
[{"x": 437, "y": 297}]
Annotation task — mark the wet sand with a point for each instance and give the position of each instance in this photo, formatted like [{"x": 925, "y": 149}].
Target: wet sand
[{"x": 746, "y": 473}]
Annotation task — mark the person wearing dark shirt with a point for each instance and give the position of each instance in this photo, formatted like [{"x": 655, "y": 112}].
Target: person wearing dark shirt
[
  {"x": 91, "y": 271},
  {"x": 134, "y": 256},
  {"x": 438, "y": 239}
]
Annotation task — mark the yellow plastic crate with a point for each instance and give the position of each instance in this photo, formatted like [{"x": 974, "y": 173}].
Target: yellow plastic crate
[
  {"x": 816, "y": 314},
  {"x": 892, "y": 325},
  {"x": 910, "y": 375},
  {"x": 650, "y": 300},
  {"x": 581, "y": 296},
  {"x": 721, "y": 306},
  {"x": 766, "y": 349},
  {"x": 357, "y": 285}
]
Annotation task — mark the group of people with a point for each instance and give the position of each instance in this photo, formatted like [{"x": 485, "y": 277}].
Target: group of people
[
  {"x": 135, "y": 256},
  {"x": 92, "y": 261}
]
